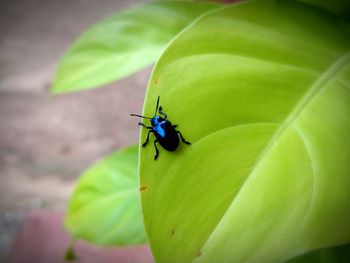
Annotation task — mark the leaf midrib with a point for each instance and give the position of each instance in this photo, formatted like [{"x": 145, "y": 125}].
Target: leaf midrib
[{"x": 318, "y": 85}]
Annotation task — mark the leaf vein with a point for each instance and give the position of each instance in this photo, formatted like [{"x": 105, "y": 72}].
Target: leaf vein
[
  {"x": 344, "y": 84},
  {"x": 313, "y": 173},
  {"x": 253, "y": 58}
]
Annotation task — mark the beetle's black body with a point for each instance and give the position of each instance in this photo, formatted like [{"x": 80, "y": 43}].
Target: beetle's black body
[{"x": 165, "y": 133}]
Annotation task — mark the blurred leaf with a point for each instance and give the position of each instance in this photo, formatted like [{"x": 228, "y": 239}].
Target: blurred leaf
[
  {"x": 123, "y": 44},
  {"x": 262, "y": 90},
  {"x": 105, "y": 207}
]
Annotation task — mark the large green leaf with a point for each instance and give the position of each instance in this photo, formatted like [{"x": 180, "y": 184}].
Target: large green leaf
[
  {"x": 262, "y": 90},
  {"x": 124, "y": 43},
  {"x": 105, "y": 207}
]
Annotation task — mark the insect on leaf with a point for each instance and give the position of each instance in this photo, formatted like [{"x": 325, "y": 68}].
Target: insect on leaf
[{"x": 262, "y": 90}]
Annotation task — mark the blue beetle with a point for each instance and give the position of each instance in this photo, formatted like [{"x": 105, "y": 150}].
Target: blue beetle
[{"x": 166, "y": 133}]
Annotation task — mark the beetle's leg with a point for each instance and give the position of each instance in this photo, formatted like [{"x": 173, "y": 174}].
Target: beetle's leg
[
  {"x": 148, "y": 127},
  {"x": 175, "y": 126},
  {"x": 157, "y": 152},
  {"x": 147, "y": 139},
  {"x": 182, "y": 138},
  {"x": 160, "y": 111}
]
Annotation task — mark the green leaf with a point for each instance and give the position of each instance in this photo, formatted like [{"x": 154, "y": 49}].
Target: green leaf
[
  {"x": 123, "y": 44},
  {"x": 105, "y": 207},
  {"x": 262, "y": 90}
]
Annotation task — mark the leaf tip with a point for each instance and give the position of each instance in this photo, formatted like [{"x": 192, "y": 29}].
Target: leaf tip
[{"x": 70, "y": 253}]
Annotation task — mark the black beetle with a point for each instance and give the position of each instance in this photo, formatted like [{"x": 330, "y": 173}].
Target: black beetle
[{"x": 166, "y": 133}]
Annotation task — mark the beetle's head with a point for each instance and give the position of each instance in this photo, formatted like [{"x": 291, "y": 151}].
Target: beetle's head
[{"x": 156, "y": 120}]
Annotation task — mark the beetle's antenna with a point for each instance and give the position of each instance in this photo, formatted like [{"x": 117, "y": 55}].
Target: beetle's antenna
[
  {"x": 135, "y": 115},
  {"x": 157, "y": 106}
]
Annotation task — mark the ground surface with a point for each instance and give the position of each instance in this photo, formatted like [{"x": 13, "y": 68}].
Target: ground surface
[
  {"x": 45, "y": 141},
  {"x": 45, "y": 225}
]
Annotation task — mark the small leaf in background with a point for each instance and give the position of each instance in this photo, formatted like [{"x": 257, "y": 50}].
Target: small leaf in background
[
  {"x": 261, "y": 89},
  {"x": 124, "y": 43},
  {"x": 105, "y": 206}
]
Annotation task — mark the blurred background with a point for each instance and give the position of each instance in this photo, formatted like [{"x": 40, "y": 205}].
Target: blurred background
[{"x": 47, "y": 141}]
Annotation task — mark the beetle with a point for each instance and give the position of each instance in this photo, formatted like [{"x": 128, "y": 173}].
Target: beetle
[{"x": 164, "y": 131}]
